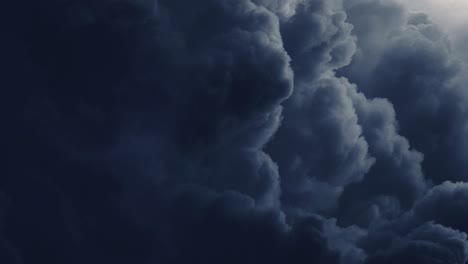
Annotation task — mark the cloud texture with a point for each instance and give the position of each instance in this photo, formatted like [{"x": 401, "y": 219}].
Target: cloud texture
[{"x": 231, "y": 131}]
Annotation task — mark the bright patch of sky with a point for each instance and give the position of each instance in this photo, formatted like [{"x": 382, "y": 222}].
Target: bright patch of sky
[{"x": 450, "y": 14}]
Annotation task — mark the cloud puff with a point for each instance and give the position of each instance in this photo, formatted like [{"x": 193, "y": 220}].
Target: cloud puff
[
  {"x": 445, "y": 205},
  {"x": 428, "y": 243},
  {"x": 433, "y": 231}
]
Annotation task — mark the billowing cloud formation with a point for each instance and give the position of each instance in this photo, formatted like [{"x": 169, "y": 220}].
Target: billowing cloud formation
[
  {"x": 417, "y": 71},
  {"x": 231, "y": 131},
  {"x": 428, "y": 243}
]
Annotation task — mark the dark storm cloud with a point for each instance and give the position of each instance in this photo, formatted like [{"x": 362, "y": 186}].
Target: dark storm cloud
[
  {"x": 406, "y": 59},
  {"x": 230, "y": 131},
  {"x": 147, "y": 122},
  {"x": 396, "y": 180},
  {"x": 410, "y": 61},
  {"x": 229, "y": 228},
  {"x": 322, "y": 119},
  {"x": 445, "y": 205},
  {"x": 433, "y": 231},
  {"x": 319, "y": 115},
  {"x": 332, "y": 138},
  {"x": 428, "y": 243}
]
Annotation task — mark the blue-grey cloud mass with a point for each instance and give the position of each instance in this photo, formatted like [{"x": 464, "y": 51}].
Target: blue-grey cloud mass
[{"x": 232, "y": 131}]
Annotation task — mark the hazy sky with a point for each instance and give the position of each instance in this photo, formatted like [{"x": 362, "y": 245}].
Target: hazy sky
[{"x": 449, "y": 13}]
